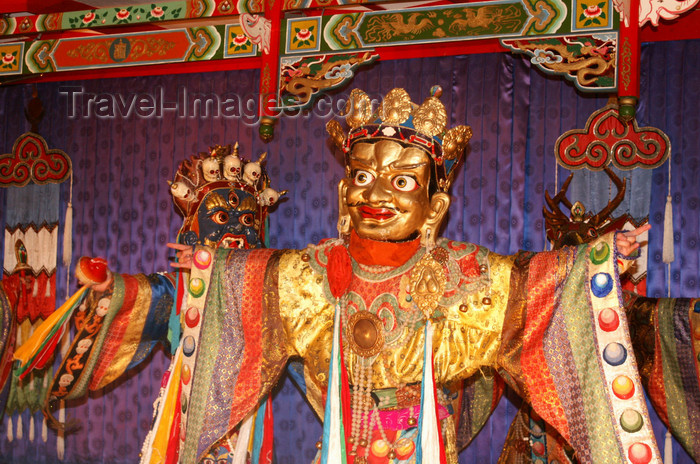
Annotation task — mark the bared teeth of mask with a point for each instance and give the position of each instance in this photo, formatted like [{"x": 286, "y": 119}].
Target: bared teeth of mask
[{"x": 231, "y": 242}]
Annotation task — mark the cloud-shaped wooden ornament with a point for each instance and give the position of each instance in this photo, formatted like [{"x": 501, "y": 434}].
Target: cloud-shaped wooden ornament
[
  {"x": 607, "y": 139},
  {"x": 32, "y": 160}
]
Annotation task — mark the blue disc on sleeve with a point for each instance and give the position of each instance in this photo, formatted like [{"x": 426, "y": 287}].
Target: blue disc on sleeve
[{"x": 601, "y": 284}]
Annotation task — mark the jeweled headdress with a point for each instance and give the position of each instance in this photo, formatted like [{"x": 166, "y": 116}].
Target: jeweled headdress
[
  {"x": 399, "y": 119},
  {"x": 222, "y": 168}
]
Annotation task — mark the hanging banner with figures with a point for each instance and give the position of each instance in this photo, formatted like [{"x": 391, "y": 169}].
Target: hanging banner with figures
[{"x": 32, "y": 174}]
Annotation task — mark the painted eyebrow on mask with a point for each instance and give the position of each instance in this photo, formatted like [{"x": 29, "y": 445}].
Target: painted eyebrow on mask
[{"x": 397, "y": 165}]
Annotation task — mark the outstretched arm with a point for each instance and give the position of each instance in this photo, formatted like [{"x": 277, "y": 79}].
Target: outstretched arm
[
  {"x": 123, "y": 317},
  {"x": 556, "y": 328}
]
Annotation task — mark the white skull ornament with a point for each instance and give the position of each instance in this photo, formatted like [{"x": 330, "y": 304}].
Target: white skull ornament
[
  {"x": 252, "y": 170},
  {"x": 251, "y": 173},
  {"x": 180, "y": 190},
  {"x": 65, "y": 380},
  {"x": 232, "y": 167},
  {"x": 211, "y": 169},
  {"x": 269, "y": 196},
  {"x": 83, "y": 345},
  {"x": 102, "y": 307}
]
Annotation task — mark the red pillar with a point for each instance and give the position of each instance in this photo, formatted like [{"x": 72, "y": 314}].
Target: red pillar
[
  {"x": 628, "y": 63},
  {"x": 269, "y": 72}
]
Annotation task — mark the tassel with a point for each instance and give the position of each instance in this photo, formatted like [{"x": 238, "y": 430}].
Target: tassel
[
  {"x": 668, "y": 449},
  {"x": 31, "y": 427},
  {"x": 61, "y": 440},
  {"x": 429, "y": 448},
  {"x": 35, "y": 288},
  {"x": 68, "y": 233},
  {"x": 667, "y": 255},
  {"x": 333, "y": 448},
  {"x": 9, "y": 429},
  {"x": 19, "y": 433},
  {"x": 44, "y": 431}
]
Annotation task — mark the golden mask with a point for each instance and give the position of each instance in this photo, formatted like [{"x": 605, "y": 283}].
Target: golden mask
[{"x": 386, "y": 196}]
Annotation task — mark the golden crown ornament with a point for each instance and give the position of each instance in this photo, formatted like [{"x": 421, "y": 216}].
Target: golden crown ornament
[{"x": 399, "y": 119}]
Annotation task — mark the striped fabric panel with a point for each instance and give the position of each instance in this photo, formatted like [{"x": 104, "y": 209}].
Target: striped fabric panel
[
  {"x": 115, "y": 356},
  {"x": 275, "y": 354},
  {"x": 219, "y": 358},
  {"x": 117, "y": 300},
  {"x": 228, "y": 392},
  {"x": 679, "y": 375},
  {"x": 155, "y": 329},
  {"x": 71, "y": 379},
  {"x": 641, "y": 313},
  {"x": 127, "y": 287},
  {"x": 541, "y": 300},
  {"x": 479, "y": 397},
  {"x": 656, "y": 386},
  {"x": 248, "y": 387},
  {"x": 596, "y": 434},
  {"x": 510, "y": 351},
  {"x": 560, "y": 359}
]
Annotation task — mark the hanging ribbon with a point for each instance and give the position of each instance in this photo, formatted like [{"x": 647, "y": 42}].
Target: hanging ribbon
[
  {"x": 429, "y": 448},
  {"x": 333, "y": 450},
  {"x": 155, "y": 447},
  {"x": 36, "y": 351},
  {"x": 263, "y": 437},
  {"x": 240, "y": 454}
]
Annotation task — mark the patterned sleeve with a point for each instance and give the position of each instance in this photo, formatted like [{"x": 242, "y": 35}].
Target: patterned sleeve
[
  {"x": 477, "y": 398},
  {"x": 115, "y": 332},
  {"x": 241, "y": 349},
  {"x": 566, "y": 350},
  {"x": 666, "y": 339}
]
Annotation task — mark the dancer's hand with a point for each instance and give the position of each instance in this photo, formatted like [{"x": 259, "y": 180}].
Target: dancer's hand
[{"x": 184, "y": 255}]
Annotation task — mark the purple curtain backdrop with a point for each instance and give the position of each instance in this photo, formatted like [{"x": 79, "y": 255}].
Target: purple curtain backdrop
[{"x": 123, "y": 209}]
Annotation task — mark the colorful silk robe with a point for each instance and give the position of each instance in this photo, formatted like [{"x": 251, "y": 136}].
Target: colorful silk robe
[
  {"x": 535, "y": 318},
  {"x": 543, "y": 321},
  {"x": 667, "y": 345},
  {"x": 115, "y": 332}
]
